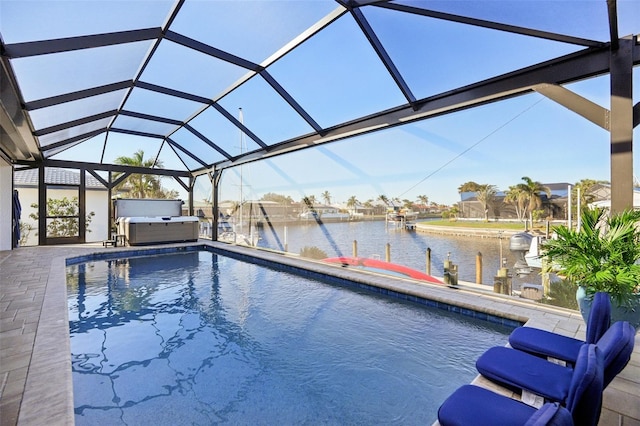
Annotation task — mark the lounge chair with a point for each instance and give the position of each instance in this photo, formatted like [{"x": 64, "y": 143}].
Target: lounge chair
[
  {"x": 519, "y": 370},
  {"x": 473, "y": 405},
  {"x": 551, "y": 345}
]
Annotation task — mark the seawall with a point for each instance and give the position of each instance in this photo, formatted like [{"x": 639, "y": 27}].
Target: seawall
[{"x": 465, "y": 232}]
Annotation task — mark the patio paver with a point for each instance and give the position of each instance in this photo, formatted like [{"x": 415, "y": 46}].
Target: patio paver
[{"x": 35, "y": 361}]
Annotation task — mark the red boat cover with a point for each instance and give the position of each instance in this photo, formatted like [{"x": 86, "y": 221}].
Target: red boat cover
[{"x": 382, "y": 266}]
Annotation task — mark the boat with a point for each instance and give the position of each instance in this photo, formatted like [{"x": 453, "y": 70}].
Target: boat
[
  {"x": 334, "y": 216},
  {"x": 325, "y": 214},
  {"x": 526, "y": 249},
  {"x": 403, "y": 215},
  {"x": 230, "y": 231},
  {"x": 309, "y": 215},
  {"x": 533, "y": 256},
  {"x": 231, "y": 227},
  {"x": 380, "y": 266}
]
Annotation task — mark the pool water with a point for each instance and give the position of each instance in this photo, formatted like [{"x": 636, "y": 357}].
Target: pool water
[{"x": 199, "y": 338}]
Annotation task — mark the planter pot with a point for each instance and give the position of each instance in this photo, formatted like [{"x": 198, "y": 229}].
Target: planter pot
[{"x": 618, "y": 313}]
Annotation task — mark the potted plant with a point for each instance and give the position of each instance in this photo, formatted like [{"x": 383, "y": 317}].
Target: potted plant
[{"x": 603, "y": 255}]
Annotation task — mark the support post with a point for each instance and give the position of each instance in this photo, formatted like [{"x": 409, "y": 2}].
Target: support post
[
  {"x": 110, "y": 219},
  {"x": 286, "y": 242},
  {"x": 621, "y": 74},
  {"x": 42, "y": 206},
  {"x": 215, "y": 211}
]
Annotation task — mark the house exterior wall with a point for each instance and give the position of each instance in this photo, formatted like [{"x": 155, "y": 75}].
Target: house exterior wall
[
  {"x": 6, "y": 206},
  {"x": 96, "y": 201}
]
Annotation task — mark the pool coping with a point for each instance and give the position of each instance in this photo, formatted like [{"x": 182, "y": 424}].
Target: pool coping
[{"x": 48, "y": 390}]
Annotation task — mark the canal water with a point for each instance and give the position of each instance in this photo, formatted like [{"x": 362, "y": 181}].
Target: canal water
[{"x": 407, "y": 248}]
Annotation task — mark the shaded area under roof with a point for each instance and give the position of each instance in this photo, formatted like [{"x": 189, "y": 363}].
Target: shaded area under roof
[{"x": 183, "y": 79}]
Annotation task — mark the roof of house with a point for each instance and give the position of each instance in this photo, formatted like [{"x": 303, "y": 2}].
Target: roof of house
[{"x": 54, "y": 176}]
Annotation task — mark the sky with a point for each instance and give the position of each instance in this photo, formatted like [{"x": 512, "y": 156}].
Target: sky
[{"x": 335, "y": 76}]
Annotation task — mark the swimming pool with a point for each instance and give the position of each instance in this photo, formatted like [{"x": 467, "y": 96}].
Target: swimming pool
[{"x": 199, "y": 338}]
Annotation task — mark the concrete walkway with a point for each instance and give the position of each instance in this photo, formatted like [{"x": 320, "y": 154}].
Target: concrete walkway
[{"x": 35, "y": 362}]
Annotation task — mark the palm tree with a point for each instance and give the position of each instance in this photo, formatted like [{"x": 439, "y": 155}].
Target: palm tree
[
  {"x": 454, "y": 211},
  {"x": 470, "y": 186},
  {"x": 326, "y": 196},
  {"x": 486, "y": 195},
  {"x": 384, "y": 199},
  {"x": 407, "y": 204},
  {"x": 586, "y": 187},
  {"x": 517, "y": 197},
  {"x": 309, "y": 201},
  {"x": 532, "y": 189},
  {"x": 140, "y": 185},
  {"x": 352, "y": 202},
  {"x": 424, "y": 200}
]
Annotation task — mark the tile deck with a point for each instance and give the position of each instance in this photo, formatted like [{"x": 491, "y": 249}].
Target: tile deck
[{"x": 35, "y": 361}]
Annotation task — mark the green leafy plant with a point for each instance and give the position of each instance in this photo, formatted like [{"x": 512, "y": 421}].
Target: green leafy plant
[
  {"x": 64, "y": 222},
  {"x": 602, "y": 256},
  {"x": 25, "y": 232}
]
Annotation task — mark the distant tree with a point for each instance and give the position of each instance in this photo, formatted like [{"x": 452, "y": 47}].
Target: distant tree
[
  {"x": 453, "y": 212},
  {"x": 407, "y": 204},
  {"x": 469, "y": 187},
  {"x": 277, "y": 198},
  {"x": 424, "y": 200},
  {"x": 517, "y": 198},
  {"x": 384, "y": 199},
  {"x": 326, "y": 197},
  {"x": 532, "y": 190},
  {"x": 352, "y": 202},
  {"x": 309, "y": 201},
  {"x": 586, "y": 187},
  {"x": 142, "y": 185},
  {"x": 486, "y": 195}
]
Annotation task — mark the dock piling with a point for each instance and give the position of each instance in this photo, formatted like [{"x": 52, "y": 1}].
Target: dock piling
[
  {"x": 479, "y": 268},
  {"x": 450, "y": 274}
]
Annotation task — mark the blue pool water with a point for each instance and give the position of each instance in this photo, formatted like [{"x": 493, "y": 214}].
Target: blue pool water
[{"x": 197, "y": 338}]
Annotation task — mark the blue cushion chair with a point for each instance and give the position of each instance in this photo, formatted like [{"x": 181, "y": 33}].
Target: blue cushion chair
[
  {"x": 616, "y": 346},
  {"x": 552, "y": 345},
  {"x": 519, "y": 370},
  {"x": 472, "y": 405}
]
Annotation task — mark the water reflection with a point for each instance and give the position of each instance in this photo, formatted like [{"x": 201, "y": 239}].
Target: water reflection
[
  {"x": 407, "y": 248},
  {"x": 151, "y": 333},
  {"x": 197, "y": 338}
]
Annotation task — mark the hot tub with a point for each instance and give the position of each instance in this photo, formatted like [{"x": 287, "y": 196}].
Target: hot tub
[{"x": 155, "y": 230}]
